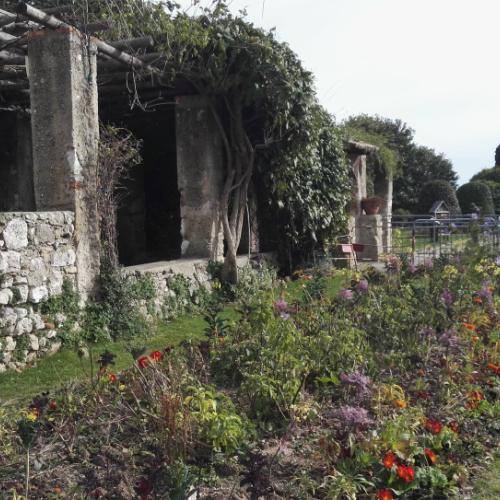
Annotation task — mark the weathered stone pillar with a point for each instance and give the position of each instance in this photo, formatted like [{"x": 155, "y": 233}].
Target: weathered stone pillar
[
  {"x": 65, "y": 127},
  {"x": 199, "y": 177},
  {"x": 370, "y": 233}
]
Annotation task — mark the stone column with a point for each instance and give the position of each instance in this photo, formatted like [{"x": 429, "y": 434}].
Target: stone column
[
  {"x": 200, "y": 175},
  {"x": 370, "y": 232},
  {"x": 65, "y": 127}
]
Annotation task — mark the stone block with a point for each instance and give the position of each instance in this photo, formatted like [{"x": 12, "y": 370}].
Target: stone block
[
  {"x": 15, "y": 234},
  {"x": 64, "y": 257},
  {"x": 24, "y": 326},
  {"x": 45, "y": 234},
  {"x": 9, "y": 344},
  {"x": 6, "y": 296},
  {"x": 33, "y": 343},
  {"x": 37, "y": 294}
]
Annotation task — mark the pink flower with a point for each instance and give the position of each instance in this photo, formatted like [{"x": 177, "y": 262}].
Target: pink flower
[{"x": 345, "y": 294}]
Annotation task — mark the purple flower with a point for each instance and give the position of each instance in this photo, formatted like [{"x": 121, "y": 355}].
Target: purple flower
[
  {"x": 345, "y": 294},
  {"x": 449, "y": 339},
  {"x": 352, "y": 416},
  {"x": 361, "y": 382},
  {"x": 447, "y": 297},
  {"x": 426, "y": 332},
  {"x": 428, "y": 264},
  {"x": 362, "y": 286},
  {"x": 486, "y": 293},
  {"x": 281, "y": 306},
  {"x": 412, "y": 268}
]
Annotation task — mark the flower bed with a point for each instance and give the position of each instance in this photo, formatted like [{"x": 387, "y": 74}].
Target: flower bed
[{"x": 389, "y": 390}]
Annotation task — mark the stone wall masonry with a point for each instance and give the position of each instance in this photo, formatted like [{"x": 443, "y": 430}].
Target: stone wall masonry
[{"x": 37, "y": 253}]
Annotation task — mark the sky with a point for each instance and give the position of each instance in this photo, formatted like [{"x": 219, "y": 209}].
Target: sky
[{"x": 435, "y": 64}]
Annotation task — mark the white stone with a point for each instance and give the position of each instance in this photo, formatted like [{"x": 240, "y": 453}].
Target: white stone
[
  {"x": 42, "y": 341},
  {"x": 9, "y": 316},
  {"x": 37, "y": 294},
  {"x": 34, "y": 344},
  {"x": 55, "y": 346},
  {"x": 20, "y": 280},
  {"x": 45, "y": 234},
  {"x": 55, "y": 283},
  {"x": 21, "y": 312},
  {"x": 5, "y": 296},
  {"x": 3, "y": 368},
  {"x": 15, "y": 234},
  {"x": 13, "y": 261},
  {"x": 38, "y": 321},
  {"x": 9, "y": 344},
  {"x": 64, "y": 257},
  {"x": 22, "y": 293},
  {"x": 24, "y": 326},
  {"x": 31, "y": 357},
  {"x": 55, "y": 218},
  {"x": 7, "y": 282},
  {"x": 4, "y": 263},
  {"x": 51, "y": 334}
]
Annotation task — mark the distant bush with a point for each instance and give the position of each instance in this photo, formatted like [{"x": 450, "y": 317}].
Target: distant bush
[
  {"x": 474, "y": 195},
  {"x": 438, "y": 190}
]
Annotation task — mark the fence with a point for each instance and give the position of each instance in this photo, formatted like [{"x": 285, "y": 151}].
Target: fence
[{"x": 421, "y": 237}]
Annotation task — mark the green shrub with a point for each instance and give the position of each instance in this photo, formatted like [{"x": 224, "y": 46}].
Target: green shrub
[
  {"x": 475, "y": 195},
  {"x": 438, "y": 190}
]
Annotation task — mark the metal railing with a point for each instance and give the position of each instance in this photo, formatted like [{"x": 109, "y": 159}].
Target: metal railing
[{"x": 422, "y": 237}]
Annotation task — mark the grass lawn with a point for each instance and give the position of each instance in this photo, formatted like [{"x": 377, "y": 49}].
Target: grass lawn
[{"x": 65, "y": 366}]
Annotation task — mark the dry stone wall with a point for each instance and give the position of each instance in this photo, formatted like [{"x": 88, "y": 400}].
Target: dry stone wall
[{"x": 37, "y": 254}]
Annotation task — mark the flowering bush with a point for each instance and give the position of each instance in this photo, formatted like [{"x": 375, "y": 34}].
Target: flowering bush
[{"x": 386, "y": 389}]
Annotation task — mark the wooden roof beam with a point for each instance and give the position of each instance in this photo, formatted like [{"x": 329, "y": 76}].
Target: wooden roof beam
[{"x": 52, "y": 22}]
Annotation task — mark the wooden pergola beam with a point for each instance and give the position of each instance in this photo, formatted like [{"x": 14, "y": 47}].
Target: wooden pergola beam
[
  {"x": 133, "y": 43},
  {"x": 52, "y": 22},
  {"x": 7, "y": 57}
]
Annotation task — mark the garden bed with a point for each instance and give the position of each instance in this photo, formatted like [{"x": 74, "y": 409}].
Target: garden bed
[{"x": 389, "y": 389}]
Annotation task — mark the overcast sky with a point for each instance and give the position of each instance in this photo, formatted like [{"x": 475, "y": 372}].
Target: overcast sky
[{"x": 435, "y": 64}]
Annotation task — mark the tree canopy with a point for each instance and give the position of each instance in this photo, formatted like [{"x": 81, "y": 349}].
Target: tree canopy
[
  {"x": 475, "y": 196},
  {"x": 437, "y": 190},
  {"x": 411, "y": 165}
]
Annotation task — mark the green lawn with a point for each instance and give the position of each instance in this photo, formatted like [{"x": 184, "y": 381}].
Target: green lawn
[{"x": 65, "y": 366}]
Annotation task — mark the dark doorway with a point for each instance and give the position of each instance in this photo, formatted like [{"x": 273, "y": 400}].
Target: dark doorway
[{"x": 149, "y": 221}]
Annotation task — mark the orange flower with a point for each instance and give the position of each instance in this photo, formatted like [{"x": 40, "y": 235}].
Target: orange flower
[
  {"x": 142, "y": 362},
  {"x": 389, "y": 460},
  {"x": 384, "y": 495},
  {"x": 57, "y": 490},
  {"x": 406, "y": 473},
  {"x": 433, "y": 426},
  {"x": 112, "y": 378},
  {"x": 431, "y": 456},
  {"x": 476, "y": 396},
  {"x": 420, "y": 372},
  {"x": 156, "y": 356},
  {"x": 474, "y": 338},
  {"x": 454, "y": 426},
  {"x": 477, "y": 300},
  {"x": 400, "y": 403},
  {"x": 470, "y": 327}
]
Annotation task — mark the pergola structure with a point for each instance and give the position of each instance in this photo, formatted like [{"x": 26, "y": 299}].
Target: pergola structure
[
  {"x": 59, "y": 80},
  {"x": 125, "y": 68}
]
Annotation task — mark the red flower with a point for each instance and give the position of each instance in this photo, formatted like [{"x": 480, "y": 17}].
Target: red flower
[
  {"x": 454, "y": 426},
  {"x": 477, "y": 300},
  {"x": 494, "y": 368},
  {"x": 142, "y": 362},
  {"x": 431, "y": 456},
  {"x": 156, "y": 356},
  {"x": 389, "y": 460},
  {"x": 423, "y": 394},
  {"x": 384, "y": 495},
  {"x": 112, "y": 378},
  {"x": 52, "y": 405},
  {"x": 433, "y": 426},
  {"x": 406, "y": 473}
]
